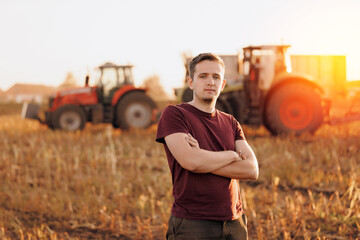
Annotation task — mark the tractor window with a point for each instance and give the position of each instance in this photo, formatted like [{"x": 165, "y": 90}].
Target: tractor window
[
  {"x": 128, "y": 75},
  {"x": 267, "y": 70},
  {"x": 287, "y": 59},
  {"x": 246, "y": 62},
  {"x": 109, "y": 80},
  {"x": 263, "y": 61},
  {"x": 246, "y": 67},
  {"x": 97, "y": 76},
  {"x": 258, "y": 53},
  {"x": 121, "y": 74}
]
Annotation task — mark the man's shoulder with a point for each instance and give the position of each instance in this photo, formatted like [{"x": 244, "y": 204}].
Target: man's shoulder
[
  {"x": 226, "y": 115},
  {"x": 174, "y": 111},
  {"x": 230, "y": 119},
  {"x": 172, "y": 120},
  {"x": 180, "y": 108}
]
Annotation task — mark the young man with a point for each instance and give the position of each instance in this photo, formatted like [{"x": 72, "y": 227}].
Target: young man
[{"x": 207, "y": 153}]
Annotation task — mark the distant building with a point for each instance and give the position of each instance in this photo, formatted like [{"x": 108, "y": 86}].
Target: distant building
[
  {"x": 2, "y": 96},
  {"x": 20, "y": 92}
]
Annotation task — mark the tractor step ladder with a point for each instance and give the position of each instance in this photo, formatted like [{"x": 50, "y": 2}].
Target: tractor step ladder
[{"x": 108, "y": 113}]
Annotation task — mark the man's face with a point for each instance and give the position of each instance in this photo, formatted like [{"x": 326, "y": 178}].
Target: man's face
[{"x": 208, "y": 80}]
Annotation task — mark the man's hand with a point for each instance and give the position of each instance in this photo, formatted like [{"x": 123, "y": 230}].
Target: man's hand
[
  {"x": 247, "y": 169},
  {"x": 242, "y": 156},
  {"x": 192, "y": 141}
]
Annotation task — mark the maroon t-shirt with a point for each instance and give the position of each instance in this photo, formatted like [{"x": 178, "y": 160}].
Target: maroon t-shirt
[{"x": 202, "y": 195}]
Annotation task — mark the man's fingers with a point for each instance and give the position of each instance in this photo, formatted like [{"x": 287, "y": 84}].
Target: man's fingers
[
  {"x": 241, "y": 155},
  {"x": 191, "y": 138},
  {"x": 192, "y": 141}
]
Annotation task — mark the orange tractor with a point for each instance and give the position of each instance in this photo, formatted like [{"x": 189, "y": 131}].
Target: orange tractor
[
  {"x": 262, "y": 90},
  {"x": 114, "y": 100}
]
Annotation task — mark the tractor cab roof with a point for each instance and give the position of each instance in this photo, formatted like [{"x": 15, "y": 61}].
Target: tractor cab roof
[
  {"x": 113, "y": 65},
  {"x": 266, "y": 47}
]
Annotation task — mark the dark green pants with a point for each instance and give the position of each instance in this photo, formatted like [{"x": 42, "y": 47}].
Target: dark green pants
[{"x": 181, "y": 228}]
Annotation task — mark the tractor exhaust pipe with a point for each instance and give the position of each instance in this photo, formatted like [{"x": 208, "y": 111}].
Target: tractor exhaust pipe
[{"x": 87, "y": 81}]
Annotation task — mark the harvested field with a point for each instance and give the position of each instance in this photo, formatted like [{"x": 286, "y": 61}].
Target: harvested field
[{"x": 103, "y": 183}]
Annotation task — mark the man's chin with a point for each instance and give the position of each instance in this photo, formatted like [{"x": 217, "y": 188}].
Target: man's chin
[{"x": 209, "y": 100}]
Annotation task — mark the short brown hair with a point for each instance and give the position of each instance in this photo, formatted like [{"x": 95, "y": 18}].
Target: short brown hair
[{"x": 202, "y": 57}]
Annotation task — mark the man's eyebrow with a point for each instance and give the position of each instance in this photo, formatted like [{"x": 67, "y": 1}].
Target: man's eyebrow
[{"x": 217, "y": 74}]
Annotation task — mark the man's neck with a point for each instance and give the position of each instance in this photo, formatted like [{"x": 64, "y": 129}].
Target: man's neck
[{"x": 204, "y": 106}]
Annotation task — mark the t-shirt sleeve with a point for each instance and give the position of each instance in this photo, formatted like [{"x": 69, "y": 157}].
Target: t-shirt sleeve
[
  {"x": 171, "y": 121},
  {"x": 239, "y": 134}
]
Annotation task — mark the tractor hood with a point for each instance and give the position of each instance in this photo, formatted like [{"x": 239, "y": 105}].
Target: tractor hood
[
  {"x": 71, "y": 91},
  {"x": 76, "y": 96}
]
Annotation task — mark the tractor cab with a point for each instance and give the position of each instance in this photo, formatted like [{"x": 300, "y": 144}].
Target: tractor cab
[
  {"x": 111, "y": 77},
  {"x": 262, "y": 63}
]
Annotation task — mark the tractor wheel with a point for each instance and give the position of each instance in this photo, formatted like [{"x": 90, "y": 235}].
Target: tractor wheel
[
  {"x": 293, "y": 108},
  {"x": 187, "y": 95},
  {"x": 135, "y": 110},
  {"x": 224, "y": 106},
  {"x": 69, "y": 117}
]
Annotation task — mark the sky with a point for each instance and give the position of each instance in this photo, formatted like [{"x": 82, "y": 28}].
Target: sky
[{"x": 41, "y": 41}]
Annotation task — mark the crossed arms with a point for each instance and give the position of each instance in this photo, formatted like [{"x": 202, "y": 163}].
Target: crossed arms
[{"x": 239, "y": 164}]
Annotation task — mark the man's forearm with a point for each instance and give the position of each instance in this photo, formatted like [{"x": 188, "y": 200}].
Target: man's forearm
[
  {"x": 242, "y": 170},
  {"x": 195, "y": 159},
  {"x": 207, "y": 161}
]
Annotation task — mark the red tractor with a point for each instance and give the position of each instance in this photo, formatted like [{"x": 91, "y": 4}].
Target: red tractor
[{"x": 114, "y": 100}]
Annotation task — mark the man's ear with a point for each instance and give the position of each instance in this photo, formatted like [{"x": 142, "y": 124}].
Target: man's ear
[
  {"x": 223, "y": 84},
  {"x": 190, "y": 82}
]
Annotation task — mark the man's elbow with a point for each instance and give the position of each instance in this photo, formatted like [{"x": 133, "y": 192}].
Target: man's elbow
[
  {"x": 194, "y": 167},
  {"x": 192, "y": 162},
  {"x": 252, "y": 172},
  {"x": 191, "y": 166},
  {"x": 254, "y": 175}
]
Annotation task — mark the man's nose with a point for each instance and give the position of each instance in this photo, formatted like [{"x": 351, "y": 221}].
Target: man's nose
[{"x": 211, "y": 81}]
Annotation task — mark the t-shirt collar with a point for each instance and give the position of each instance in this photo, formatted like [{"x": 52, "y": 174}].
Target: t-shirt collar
[{"x": 205, "y": 114}]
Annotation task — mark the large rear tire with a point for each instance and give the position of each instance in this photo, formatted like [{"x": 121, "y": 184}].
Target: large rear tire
[
  {"x": 293, "y": 108},
  {"x": 69, "y": 118},
  {"x": 187, "y": 95},
  {"x": 224, "y": 106},
  {"x": 135, "y": 110}
]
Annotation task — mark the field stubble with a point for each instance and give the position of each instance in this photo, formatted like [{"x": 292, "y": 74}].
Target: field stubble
[{"x": 103, "y": 183}]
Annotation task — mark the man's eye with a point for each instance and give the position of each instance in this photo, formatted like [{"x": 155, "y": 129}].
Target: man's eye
[
  {"x": 202, "y": 76},
  {"x": 216, "y": 77}
]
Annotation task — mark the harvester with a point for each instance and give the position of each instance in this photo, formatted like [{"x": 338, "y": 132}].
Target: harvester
[
  {"x": 264, "y": 91},
  {"x": 113, "y": 100}
]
